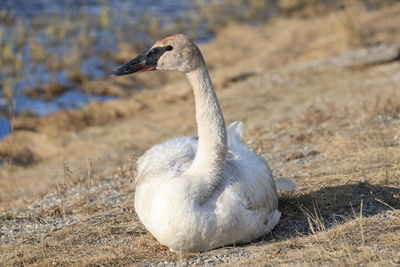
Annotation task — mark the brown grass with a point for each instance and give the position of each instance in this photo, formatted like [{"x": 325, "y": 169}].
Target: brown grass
[
  {"x": 357, "y": 242},
  {"x": 333, "y": 129},
  {"x": 46, "y": 91}
]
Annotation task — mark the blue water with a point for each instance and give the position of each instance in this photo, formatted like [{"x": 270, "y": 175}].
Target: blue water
[
  {"x": 5, "y": 126},
  {"x": 69, "y": 100},
  {"x": 168, "y": 8},
  {"x": 124, "y": 13}
]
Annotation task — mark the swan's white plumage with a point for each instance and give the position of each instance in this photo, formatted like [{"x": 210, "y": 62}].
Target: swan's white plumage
[
  {"x": 242, "y": 209},
  {"x": 196, "y": 194}
]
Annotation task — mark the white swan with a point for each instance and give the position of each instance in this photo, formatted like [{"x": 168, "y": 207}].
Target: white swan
[{"x": 196, "y": 194}]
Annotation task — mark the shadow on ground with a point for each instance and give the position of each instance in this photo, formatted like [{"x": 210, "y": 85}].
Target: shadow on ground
[{"x": 325, "y": 208}]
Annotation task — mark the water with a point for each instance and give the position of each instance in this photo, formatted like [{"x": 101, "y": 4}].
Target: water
[
  {"x": 123, "y": 13},
  {"x": 167, "y": 8},
  {"x": 69, "y": 100},
  {"x": 5, "y": 126}
]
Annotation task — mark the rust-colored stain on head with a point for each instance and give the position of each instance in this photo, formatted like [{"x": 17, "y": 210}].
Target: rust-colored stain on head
[
  {"x": 167, "y": 40},
  {"x": 163, "y": 41}
]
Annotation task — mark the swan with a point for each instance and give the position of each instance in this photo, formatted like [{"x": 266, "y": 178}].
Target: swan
[{"x": 197, "y": 194}]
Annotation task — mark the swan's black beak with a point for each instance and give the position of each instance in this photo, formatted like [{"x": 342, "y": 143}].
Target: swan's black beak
[
  {"x": 137, "y": 64},
  {"x": 145, "y": 61}
]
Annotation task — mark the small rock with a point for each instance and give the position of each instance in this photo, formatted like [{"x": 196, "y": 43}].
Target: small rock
[{"x": 313, "y": 153}]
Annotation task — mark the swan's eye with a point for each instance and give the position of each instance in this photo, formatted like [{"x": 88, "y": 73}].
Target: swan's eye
[{"x": 155, "y": 53}]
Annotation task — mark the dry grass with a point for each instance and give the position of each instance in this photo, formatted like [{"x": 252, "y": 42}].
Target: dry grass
[
  {"x": 357, "y": 242},
  {"x": 335, "y": 130}
]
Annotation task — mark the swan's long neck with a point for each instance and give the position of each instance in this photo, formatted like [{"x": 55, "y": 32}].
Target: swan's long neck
[{"x": 209, "y": 161}]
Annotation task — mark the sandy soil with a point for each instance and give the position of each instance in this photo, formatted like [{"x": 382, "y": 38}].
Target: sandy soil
[{"x": 320, "y": 100}]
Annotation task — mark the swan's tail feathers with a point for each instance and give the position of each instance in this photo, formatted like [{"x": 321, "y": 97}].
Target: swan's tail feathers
[
  {"x": 234, "y": 133},
  {"x": 285, "y": 184}
]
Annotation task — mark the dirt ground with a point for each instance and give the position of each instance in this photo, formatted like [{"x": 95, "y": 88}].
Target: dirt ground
[{"x": 320, "y": 100}]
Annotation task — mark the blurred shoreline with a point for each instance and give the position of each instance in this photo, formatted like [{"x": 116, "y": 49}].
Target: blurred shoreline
[{"x": 51, "y": 51}]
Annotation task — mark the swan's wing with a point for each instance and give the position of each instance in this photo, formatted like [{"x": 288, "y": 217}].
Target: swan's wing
[
  {"x": 168, "y": 159},
  {"x": 251, "y": 180},
  {"x": 248, "y": 174}
]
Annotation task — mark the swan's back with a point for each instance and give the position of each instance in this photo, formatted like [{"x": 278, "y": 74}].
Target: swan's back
[
  {"x": 166, "y": 160},
  {"x": 173, "y": 156}
]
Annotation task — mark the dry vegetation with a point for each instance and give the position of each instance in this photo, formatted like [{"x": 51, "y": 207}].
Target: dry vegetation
[{"x": 320, "y": 115}]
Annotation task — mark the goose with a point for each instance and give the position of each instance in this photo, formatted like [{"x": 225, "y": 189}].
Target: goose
[{"x": 196, "y": 194}]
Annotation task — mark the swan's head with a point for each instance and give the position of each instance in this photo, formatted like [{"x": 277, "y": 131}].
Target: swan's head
[{"x": 176, "y": 52}]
